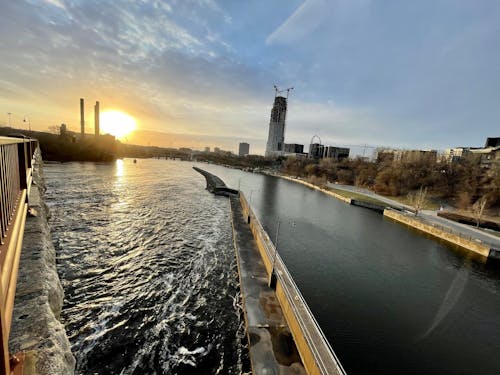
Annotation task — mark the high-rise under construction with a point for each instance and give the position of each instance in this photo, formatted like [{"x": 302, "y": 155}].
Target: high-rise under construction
[{"x": 276, "y": 139}]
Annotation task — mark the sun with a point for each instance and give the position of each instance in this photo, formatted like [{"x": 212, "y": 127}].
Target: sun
[{"x": 116, "y": 123}]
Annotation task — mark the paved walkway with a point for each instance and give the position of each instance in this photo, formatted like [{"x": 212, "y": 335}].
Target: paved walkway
[
  {"x": 272, "y": 348},
  {"x": 430, "y": 216}
]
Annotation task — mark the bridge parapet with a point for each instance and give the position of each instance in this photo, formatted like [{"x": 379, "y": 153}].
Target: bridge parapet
[{"x": 16, "y": 161}]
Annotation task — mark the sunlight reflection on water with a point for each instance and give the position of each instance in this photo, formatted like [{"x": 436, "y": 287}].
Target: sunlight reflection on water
[{"x": 146, "y": 260}]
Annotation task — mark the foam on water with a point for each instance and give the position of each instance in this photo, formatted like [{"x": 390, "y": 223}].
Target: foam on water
[{"x": 146, "y": 260}]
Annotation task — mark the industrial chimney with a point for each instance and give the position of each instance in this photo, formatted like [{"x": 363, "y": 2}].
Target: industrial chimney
[
  {"x": 82, "y": 117},
  {"x": 96, "y": 118}
]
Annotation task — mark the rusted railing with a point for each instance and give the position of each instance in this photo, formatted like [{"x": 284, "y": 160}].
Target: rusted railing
[{"x": 16, "y": 158}]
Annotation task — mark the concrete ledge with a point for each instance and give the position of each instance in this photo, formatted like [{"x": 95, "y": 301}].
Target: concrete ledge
[
  {"x": 452, "y": 238},
  {"x": 308, "y": 184},
  {"x": 372, "y": 206},
  {"x": 215, "y": 185},
  {"x": 36, "y": 329},
  {"x": 271, "y": 345},
  {"x": 315, "y": 351}
]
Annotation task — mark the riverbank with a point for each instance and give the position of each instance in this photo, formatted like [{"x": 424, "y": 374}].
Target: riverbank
[
  {"x": 471, "y": 239},
  {"x": 36, "y": 328}
]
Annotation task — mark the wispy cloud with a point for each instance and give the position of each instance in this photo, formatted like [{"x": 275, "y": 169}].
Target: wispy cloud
[
  {"x": 421, "y": 73},
  {"x": 304, "y": 20}
]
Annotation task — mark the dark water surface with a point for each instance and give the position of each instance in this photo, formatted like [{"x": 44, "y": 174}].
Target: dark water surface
[
  {"x": 148, "y": 268},
  {"x": 390, "y": 300},
  {"x": 147, "y": 263}
]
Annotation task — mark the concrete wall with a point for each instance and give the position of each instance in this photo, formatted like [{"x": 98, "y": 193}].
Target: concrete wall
[
  {"x": 308, "y": 184},
  {"x": 369, "y": 205},
  {"x": 36, "y": 329},
  {"x": 414, "y": 222},
  {"x": 315, "y": 352}
]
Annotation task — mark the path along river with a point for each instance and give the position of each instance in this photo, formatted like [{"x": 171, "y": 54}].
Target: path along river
[{"x": 146, "y": 259}]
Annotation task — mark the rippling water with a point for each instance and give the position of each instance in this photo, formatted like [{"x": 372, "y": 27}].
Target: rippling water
[{"x": 146, "y": 260}]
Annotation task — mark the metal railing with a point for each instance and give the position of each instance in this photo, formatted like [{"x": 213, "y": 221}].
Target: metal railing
[
  {"x": 16, "y": 159},
  {"x": 324, "y": 356}
]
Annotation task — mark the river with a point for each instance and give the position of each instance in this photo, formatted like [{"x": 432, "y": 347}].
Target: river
[
  {"x": 147, "y": 264},
  {"x": 146, "y": 260}
]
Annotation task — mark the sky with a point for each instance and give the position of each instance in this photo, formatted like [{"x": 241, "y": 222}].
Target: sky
[{"x": 408, "y": 74}]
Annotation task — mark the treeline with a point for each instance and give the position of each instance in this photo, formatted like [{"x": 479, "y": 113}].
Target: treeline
[
  {"x": 462, "y": 182},
  {"x": 249, "y": 161},
  {"x": 67, "y": 147}
]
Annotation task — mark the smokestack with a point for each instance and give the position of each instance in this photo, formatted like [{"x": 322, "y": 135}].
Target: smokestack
[
  {"x": 82, "y": 117},
  {"x": 96, "y": 118}
]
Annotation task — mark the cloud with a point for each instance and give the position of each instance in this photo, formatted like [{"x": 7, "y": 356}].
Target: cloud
[
  {"x": 303, "y": 21},
  {"x": 422, "y": 74},
  {"x": 57, "y": 3}
]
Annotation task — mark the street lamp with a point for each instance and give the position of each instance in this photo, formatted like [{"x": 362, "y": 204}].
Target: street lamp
[
  {"x": 251, "y": 192},
  {"x": 26, "y": 119},
  {"x": 274, "y": 277}
]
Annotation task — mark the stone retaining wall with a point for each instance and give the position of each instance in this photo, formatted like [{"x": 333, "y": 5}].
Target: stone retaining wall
[
  {"x": 36, "y": 329},
  {"x": 455, "y": 239}
]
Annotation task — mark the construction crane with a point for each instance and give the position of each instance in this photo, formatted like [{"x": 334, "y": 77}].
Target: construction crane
[{"x": 278, "y": 91}]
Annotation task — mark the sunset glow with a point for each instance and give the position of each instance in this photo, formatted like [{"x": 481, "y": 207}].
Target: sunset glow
[{"x": 117, "y": 123}]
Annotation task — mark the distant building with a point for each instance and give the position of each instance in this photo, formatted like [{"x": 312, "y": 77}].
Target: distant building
[
  {"x": 418, "y": 155},
  {"x": 453, "y": 154},
  {"x": 489, "y": 156},
  {"x": 316, "y": 151},
  {"x": 319, "y": 151},
  {"x": 336, "y": 153},
  {"x": 276, "y": 138},
  {"x": 216, "y": 149},
  {"x": 207, "y": 149},
  {"x": 492, "y": 142},
  {"x": 294, "y": 148},
  {"x": 407, "y": 156},
  {"x": 244, "y": 149}
]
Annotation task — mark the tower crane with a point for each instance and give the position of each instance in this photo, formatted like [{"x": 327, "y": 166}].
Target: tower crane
[{"x": 278, "y": 91}]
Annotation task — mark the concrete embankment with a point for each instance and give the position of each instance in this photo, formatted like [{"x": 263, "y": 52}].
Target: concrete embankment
[
  {"x": 471, "y": 242},
  {"x": 284, "y": 337},
  {"x": 215, "y": 185},
  {"x": 355, "y": 202},
  {"x": 316, "y": 353},
  {"x": 36, "y": 329},
  {"x": 453, "y": 238},
  {"x": 315, "y": 187},
  {"x": 271, "y": 345}
]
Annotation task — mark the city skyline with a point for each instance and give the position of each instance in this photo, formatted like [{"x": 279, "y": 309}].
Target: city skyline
[{"x": 413, "y": 75}]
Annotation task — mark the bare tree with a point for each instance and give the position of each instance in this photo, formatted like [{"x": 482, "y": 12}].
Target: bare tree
[
  {"x": 418, "y": 199},
  {"x": 54, "y": 129},
  {"x": 478, "y": 209}
]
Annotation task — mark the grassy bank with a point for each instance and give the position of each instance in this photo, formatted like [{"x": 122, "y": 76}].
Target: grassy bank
[{"x": 358, "y": 196}]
